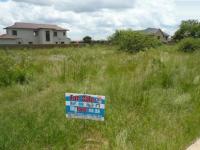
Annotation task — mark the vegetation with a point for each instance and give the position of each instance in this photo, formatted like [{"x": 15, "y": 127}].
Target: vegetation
[
  {"x": 189, "y": 45},
  {"x": 133, "y": 41},
  {"x": 152, "y": 98},
  {"x": 189, "y": 28},
  {"x": 14, "y": 69},
  {"x": 87, "y": 39}
]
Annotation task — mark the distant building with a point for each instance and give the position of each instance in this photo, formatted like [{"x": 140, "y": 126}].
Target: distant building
[
  {"x": 158, "y": 33},
  {"x": 32, "y": 33}
]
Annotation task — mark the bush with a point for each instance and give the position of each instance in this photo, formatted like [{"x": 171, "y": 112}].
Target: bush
[
  {"x": 189, "y": 45},
  {"x": 133, "y": 41}
]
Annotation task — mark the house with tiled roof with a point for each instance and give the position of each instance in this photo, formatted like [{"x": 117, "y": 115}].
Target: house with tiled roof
[
  {"x": 158, "y": 33},
  {"x": 32, "y": 33}
]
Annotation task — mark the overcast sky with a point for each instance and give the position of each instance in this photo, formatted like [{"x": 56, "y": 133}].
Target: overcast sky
[{"x": 99, "y": 18}]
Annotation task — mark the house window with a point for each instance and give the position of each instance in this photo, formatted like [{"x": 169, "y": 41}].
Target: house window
[
  {"x": 30, "y": 43},
  {"x": 14, "y": 32},
  {"x": 35, "y": 33},
  {"x": 62, "y": 42},
  {"x": 55, "y": 34},
  {"x": 56, "y": 42},
  {"x": 19, "y": 43},
  {"x": 64, "y": 33},
  {"x": 47, "y": 36}
]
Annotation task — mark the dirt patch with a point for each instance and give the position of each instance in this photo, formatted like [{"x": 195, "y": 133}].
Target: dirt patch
[{"x": 195, "y": 146}]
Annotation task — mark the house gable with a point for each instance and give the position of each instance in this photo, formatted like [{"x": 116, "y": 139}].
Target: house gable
[{"x": 158, "y": 33}]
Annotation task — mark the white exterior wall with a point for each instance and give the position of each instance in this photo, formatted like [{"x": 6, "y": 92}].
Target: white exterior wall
[
  {"x": 60, "y": 38},
  {"x": 53, "y": 39},
  {"x": 25, "y": 35},
  {"x": 8, "y": 41},
  {"x": 42, "y": 36}
]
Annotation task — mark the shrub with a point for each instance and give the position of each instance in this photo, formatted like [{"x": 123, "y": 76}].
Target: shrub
[
  {"x": 189, "y": 45},
  {"x": 133, "y": 41}
]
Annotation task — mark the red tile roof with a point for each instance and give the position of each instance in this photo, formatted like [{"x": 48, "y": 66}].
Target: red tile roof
[
  {"x": 22, "y": 25},
  {"x": 6, "y": 36}
]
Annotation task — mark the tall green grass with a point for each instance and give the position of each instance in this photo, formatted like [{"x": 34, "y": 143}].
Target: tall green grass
[{"x": 152, "y": 99}]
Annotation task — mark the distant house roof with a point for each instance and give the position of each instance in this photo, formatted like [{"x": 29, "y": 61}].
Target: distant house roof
[
  {"x": 151, "y": 30},
  {"x": 22, "y": 25},
  {"x": 154, "y": 30},
  {"x": 6, "y": 36}
]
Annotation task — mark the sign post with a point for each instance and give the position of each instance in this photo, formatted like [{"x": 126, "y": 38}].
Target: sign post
[{"x": 85, "y": 106}]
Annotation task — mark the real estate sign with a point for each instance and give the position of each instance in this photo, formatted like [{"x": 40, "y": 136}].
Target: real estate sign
[{"x": 85, "y": 106}]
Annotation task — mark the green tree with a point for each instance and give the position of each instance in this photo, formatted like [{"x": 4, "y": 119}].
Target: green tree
[
  {"x": 87, "y": 39},
  {"x": 188, "y": 28}
]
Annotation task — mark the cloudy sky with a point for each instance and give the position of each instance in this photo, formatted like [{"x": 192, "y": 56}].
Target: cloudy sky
[{"x": 100, "y": 18}]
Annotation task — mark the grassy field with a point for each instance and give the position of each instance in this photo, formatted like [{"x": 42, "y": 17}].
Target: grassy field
[{"x": 153, "y": 98}]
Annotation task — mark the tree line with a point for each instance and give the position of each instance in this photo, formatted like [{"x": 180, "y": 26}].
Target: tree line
[{"x": 187, "y": 36}]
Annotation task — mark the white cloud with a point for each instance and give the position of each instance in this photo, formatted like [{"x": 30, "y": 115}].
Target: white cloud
[
  {"x": 93, "y": 17},
  {"x": 36, "y": 2},
  {"x": 82, "y": 5}
]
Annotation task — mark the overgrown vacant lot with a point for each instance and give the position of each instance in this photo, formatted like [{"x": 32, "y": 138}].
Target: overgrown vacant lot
[{"x": 153, "y": 98}]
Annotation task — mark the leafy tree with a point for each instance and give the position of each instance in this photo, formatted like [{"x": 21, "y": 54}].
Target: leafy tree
[
  {"x": 87, "y": 39},
  {"x": 133, "y": 41},
  {"x": 189, "y": 28}
]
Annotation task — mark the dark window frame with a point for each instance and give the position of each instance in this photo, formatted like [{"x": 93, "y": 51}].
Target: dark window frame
[
  {"x": 48, "y": 39},
  {"x": 14, "y": 32},
  {"x": 55, "y": 34},
  {"x": 64, "y": 33}
]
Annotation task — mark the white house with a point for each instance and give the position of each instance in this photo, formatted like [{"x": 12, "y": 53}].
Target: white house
[{"x": 31, "y": 33}]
